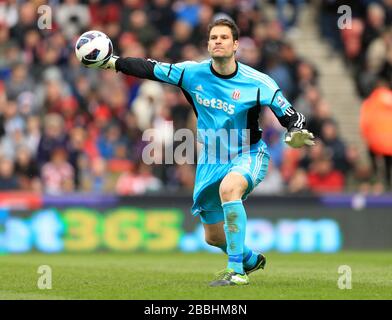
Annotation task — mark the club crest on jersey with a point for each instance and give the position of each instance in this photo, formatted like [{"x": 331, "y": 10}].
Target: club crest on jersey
[{"x": 236, "y": 94}]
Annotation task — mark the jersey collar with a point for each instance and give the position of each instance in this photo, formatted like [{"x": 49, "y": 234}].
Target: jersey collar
[{"x": 227, "y": 76}]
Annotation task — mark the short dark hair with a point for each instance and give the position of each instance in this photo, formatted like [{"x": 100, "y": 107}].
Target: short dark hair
[{"x": 228, "y": 23}]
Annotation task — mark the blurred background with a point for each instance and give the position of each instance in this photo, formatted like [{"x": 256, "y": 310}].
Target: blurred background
[{"x": 71, "y": 175}]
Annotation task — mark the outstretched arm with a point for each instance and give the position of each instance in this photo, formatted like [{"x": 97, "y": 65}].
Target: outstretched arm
[
  {"x": 297, "y": 136},
  {"x": 138, "y": 67},
  {"x": 148, "y": 69}
]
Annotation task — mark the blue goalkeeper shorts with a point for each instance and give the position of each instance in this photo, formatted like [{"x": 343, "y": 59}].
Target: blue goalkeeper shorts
[{"x": 253, "y": 165}]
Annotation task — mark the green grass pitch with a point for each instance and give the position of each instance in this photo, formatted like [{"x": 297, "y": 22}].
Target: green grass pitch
[{"x": 144, "y": 276}]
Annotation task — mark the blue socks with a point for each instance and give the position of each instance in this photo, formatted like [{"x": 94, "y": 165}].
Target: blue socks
[
  {"x": 235, "y": 228},
  {"x": 249, "y": 257}
]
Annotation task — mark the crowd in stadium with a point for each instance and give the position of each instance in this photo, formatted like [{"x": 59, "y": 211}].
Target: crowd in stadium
[
  {"x": 66, "y": 128},
  {"x": 366, "y": 46}
]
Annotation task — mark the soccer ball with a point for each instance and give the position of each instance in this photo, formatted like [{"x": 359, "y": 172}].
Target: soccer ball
[{"x": 93, "y": 48}]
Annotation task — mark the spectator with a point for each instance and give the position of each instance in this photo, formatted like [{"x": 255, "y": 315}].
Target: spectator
[
  {"x": 288, "y": 23},
  {"x": 291, "y": 61},
  {"x": 328, "y": 22},
  {"x": 53, "y": 137},
  {"x": 315, "y": 153},
  {"x": 308, "y": 100},
  {"x": 337, "y": 148},
  {"x": 9, "y": 13},
  {"x": 188, "y": 11},
  {"x": 320, "y": 114},
  {"x": 376, "y": 54},
  {"x": 248, "y": 53},
  {"x": 26, "y": 170},
  {"x": 352, "y": 40},
  {"x": 182, "y": 35},
  {"x": 33, "y": 133},
  {"x": 162, "y": 16},
  {"x": 68, "y": 109},
  {"x": 9, "y": 110},
  {"x": 58, "y": 174},
  {"x": 134, "y": 137},
  {"x": 358, "y": 174},
  {"x": 374, "y": 24},
  {"x": 387, "y": 6},
  {"x": 14, "y": 138},
  {"x": 95, "y": 177},
  {"x": 8, "y": 180},
  {"x": 206, "y": 14},
  {"x": 182, "y": 178},
  {"x": 375, "y": 123},
  {"x": 25, "y": 104},
  {"x": 137, "y": 181},
  {"x": 180, "y": 111},
  {"x": 147, "y": 104},
  {"x": 32, "y": 45},
  {"x": 186, "y": 176},
  {"x": 368, "y": 42},
  {"x": 280, "y": 73},
  {"x": 75, "y": 148},
  {"x": 307, "y": 75},
  {"x": 291, "y": 164},
  {"x": 19, "y": 81},
  {"x": 109, "y": 141},
  {"x": 54, "y": 97},
  {"x": 272, "y": 42},
  {"x": 27, "y": 20},
  {"x": 139, "y": 25},
  {"x": 299, "y": 183},
  {"x": 322, "y": 178}
]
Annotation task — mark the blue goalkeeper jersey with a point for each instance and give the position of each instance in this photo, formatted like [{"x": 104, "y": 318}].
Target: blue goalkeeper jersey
[
  {"x": 226, "y": 101},
  {"x": 225, "y": 104}
]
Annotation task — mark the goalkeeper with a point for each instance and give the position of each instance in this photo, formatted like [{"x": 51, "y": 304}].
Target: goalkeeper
[{"x": 226, "y": 94}]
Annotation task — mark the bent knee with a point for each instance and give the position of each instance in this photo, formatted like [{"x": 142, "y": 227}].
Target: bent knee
[
  {"x": 230, "y": 193},
  {"x": 215, "y": 241}
]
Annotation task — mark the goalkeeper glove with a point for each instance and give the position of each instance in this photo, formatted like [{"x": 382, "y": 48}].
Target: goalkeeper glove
[
  {"x": 111, "y": 64},
  {"x": 298, "y": 138}
]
